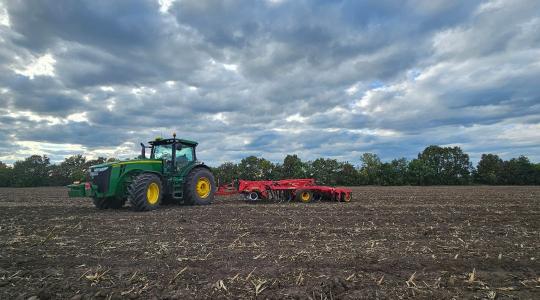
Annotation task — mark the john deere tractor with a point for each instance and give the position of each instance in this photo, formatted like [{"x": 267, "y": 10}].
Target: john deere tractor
[{"x": 171, "y": 174}]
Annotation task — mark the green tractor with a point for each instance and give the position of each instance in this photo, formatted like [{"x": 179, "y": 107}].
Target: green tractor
[{"x": 172, "y": 174}]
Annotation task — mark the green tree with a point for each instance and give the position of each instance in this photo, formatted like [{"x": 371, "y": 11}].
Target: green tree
[
  {"x": 347, "y": 175},
  {"x": 447, "y": 165},
  {"x": 537, "y": 173},
  {"x": 489, "y": 169},
  {"x": 394, "y": 172},
  {"x": 6, "y": 175},
  {"x": 266, "y": 168},
  {"x": 56, "y": 177},
  {"x": 32, "y": 171},
  {"x": 325, "y": 171},
  {"x": 75, "y": 167},
  {"x": 519, "y": 171},
  {"x": 419, "y": 173},
  {"x": 226, "y": 173},
  {"x": 293, "y": 167},
  {"x": 277, "y": 172},
  {"x": 253, "y": 168},
  {"x": 370, "y": 169}
]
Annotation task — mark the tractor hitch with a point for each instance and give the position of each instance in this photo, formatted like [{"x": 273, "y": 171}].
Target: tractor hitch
[{"x": 78, "y": 189}]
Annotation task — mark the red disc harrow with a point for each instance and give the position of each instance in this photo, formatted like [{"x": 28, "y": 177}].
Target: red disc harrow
[{"x": 303, "y": 190}]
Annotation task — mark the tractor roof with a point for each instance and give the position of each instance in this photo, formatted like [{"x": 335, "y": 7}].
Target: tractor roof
[{"x": 170, "y": 141}]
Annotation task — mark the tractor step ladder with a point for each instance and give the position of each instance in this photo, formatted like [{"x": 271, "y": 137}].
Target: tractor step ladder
[{"x": 177, "y": 189}]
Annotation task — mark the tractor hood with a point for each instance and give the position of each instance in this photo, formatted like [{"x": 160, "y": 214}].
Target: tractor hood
[
  {"x": 124, "y": 162},
  {"x": 103, "y": 165}
]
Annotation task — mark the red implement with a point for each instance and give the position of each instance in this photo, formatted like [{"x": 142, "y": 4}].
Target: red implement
[{"x": 303, "y": 190}]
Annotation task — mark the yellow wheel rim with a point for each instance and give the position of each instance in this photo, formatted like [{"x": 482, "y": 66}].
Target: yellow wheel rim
[
  {"x": 152, "y": 193},
  {"x": 305, "y": 197},
  {"x": 347, "y": 198},
  {"x": 203, "y": 187}
]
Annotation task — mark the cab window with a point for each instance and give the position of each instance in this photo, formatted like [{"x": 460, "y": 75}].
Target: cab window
[
  {"x": 162, "y": 152},
  {"x": 184, "y": 155}
]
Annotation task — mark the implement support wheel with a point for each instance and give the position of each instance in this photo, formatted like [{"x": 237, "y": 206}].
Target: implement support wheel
[
  {"x": 304, "y": 196},
  {"x": 253, "y": 196}
]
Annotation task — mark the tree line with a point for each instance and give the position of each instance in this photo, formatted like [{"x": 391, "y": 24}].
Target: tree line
[
  {"x": 37, "y": 170},
  {"x": 435, "y": 165}
]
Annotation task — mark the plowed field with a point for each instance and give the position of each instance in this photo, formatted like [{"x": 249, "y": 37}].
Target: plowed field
[{"x": 390, "y": 242}]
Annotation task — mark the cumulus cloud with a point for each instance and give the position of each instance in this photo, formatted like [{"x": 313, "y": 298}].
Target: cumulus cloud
[{"x": 267, "y": 78}]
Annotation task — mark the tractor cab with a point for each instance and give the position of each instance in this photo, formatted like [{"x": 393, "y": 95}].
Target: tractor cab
[{"x": 177, "y": 154}]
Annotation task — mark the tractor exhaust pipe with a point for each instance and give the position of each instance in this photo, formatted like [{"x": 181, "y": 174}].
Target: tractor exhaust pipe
[{"x": 143, "y": 151}]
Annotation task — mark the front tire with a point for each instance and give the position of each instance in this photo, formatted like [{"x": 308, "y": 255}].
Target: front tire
[
  {"x": 200, "y": 187},
  {"x": 101, "y": 203},
  {"x": 110, "y": 202},
  {"x": 145, "y": 192}
]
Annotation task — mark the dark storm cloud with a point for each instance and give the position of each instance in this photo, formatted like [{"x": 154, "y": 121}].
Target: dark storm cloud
[
  {"x": 267, "y": 78},
  {"x": 320, "y": 35},
  {"x": 74, "y": 133},
  {"x": 108, "y": 24},
  {"x": 42, "y": 95}
]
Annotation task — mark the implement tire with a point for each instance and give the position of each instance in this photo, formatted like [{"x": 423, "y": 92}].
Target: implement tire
[
  {"x": 199, "y": 187},
  {"x": 145, "y": 192},
  {"x": 305, "y": 196}
]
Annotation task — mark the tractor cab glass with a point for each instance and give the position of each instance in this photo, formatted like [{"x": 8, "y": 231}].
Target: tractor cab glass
[
  {"x": 184, "y": 155},
  {"x": 163, "y": 151}
]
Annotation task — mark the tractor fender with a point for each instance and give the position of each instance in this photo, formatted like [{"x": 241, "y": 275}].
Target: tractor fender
[
  {"x": 197, "y": 165},
  {"x": 134, "y": 173}
]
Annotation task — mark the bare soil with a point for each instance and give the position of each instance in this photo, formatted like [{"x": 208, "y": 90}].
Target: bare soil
[{"x": 390, "y": 242}]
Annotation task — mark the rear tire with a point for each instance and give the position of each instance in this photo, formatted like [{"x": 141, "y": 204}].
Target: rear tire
[
  {"x": 200, "y": 187},
  {"x": 145, "y": 192}
]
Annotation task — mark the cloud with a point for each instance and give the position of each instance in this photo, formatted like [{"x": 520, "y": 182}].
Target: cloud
[{"x": 268, "y": 78}]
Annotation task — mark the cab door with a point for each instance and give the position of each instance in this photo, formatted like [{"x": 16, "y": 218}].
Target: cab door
[{"x": 184, "y": 158}]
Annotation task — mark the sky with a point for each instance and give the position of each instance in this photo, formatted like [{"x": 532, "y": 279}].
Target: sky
[{"x": 329, "y": 79}]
